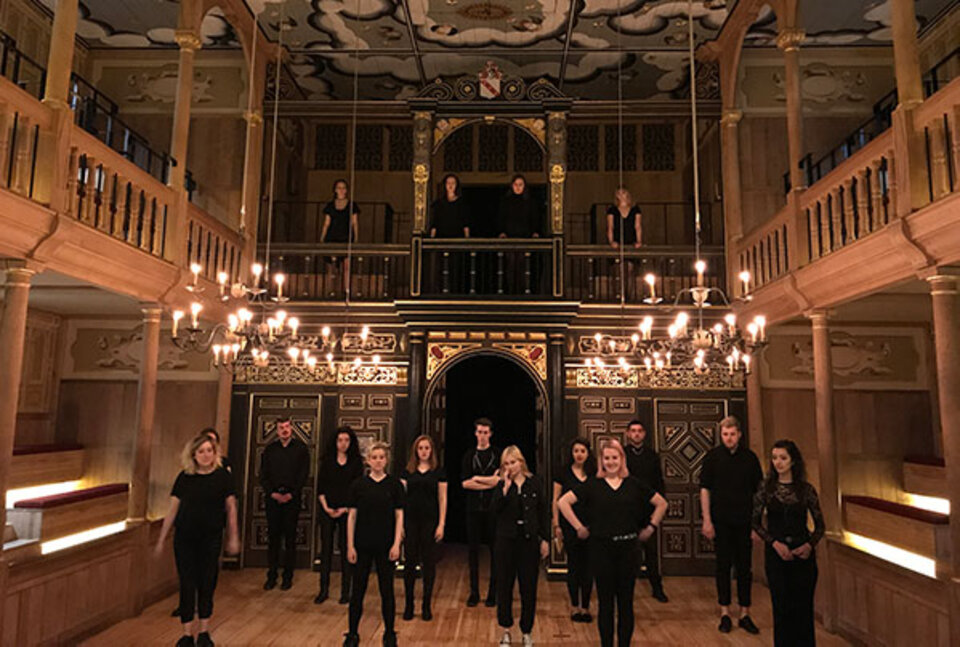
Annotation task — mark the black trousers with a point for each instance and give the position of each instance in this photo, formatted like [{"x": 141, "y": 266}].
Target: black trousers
[
  {"x": 733, "y": 550},
  {"x": 480, "y": 524},
  {"x": 792, "y": 585},
  {"x": 420, "y": 547},
  {"x": 579, "y": 575},
  {"x": 517, "y": 559},
  {"x": 282, "y": 526},
  {"x": 651, "y": 561},
  {"x": 366, "y": 559},
  {"x": 198, "y": 562},
  {"x": 615, "y": 565},
  {"x": 330, "y": 528}
]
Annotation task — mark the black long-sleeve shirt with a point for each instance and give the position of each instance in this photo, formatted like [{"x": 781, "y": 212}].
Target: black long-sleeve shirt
[
  {"x": 284, "y": 469},
  {"x": 732, "y": 479},
  {"x": 787, "y": 505},
  {"x": 644, "y": 464},
  {"x": 450, "y": 219},
  {"x": 614, "y": 512},
  {"x": 335, "y": 479},
  {"x": 519, "y": 216},
  {"x": 522, "y": 512}
]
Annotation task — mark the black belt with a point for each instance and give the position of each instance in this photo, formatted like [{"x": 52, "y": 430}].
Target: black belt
[{"x": 628, "y": 537}]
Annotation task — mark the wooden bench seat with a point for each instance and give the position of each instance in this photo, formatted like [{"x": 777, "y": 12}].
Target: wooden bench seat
[
  {"x": 925, "y": 475},
  {"x": 918, "y": 531},
  {"x": 41, "y": 464},
  {"x": 60, "y": 515}
]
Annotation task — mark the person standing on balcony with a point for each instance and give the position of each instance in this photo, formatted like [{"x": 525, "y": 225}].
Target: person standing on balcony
[
  {"x": 519, "y": 217},
  {"x": 449, "y": 218},
  {"x": 624, "y": 228},
  {"x": 788, "y": 499},
  {"x": 644, "y": 464},
  {"x": 580, "y": 466},
  {"x": 203, "y": 501},
  {"x": 341, "y": 466},
  {"x": 728, "y": 481},
  {"x": 284, "y": 468},
  {"x": 340, "y": 224},
  {"x": 479, "y": 472}
]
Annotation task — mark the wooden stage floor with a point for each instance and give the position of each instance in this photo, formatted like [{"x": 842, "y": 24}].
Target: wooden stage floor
[{"x": 245, "y": 615}]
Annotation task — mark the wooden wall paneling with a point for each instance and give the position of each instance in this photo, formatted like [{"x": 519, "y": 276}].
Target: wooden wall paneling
[{"x": 49, "y": 467}]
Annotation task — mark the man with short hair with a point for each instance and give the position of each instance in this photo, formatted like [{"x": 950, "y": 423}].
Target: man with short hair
[
  {"x": 730, "y": 476},
  {"x": 284, "y": 468},
  {"x": 643, "y": 463},
  {"x": 479, "y": 471}
]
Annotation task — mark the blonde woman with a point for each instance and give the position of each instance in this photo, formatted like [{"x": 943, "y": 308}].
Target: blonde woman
[
  {"x": 521, "y": 539},
  {"x": 202, "y": 502},
  {"x": 374, "y": 531},
  {"x": 425, "y": 517},
  {"x": 614, "y": 505}
]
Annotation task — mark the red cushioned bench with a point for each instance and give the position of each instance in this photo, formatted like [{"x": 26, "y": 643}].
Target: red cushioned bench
[
  {"x": 59, "y": 515},
  {"x": 41, "y": 464}
]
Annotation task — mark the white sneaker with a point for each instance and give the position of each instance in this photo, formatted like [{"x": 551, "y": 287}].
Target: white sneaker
[
  {"x": 505, "y": 638},
  {"x": 527, "y": 640}
]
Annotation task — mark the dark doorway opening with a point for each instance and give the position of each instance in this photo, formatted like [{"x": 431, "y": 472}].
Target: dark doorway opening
[{"x": 495, "y": 388}]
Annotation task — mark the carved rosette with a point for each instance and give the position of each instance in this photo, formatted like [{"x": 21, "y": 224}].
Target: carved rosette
[
  {"x": 439, "y": 354},
  {"x": 533, "y": 355}
]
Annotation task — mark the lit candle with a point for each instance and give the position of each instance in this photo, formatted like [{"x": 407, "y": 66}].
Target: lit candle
[
  {"x": 330, "y": 359},
  {"x": 357, "y": 363},
  {"x": 177, "y": 316},
  {"x": 672, "y": 331},
  {"x": 364, "y": 333},
  {"x": 753, "y": 329},
  {"x": 195, "y": 309},
  {"x": 623, "y": 363},
  {"x": 735, "y": 353},
  {"x": 376, "y": 360},
  {"x": 222, "y": 280},
  {"x": 731, "y": 320},
  {"x": 646, "y": 327},
  {"x": 271, "y": 327},
  {"x": 651, "y": 281},
  {"x": 279, "y": 278},
  {"x": 762, "y": 323},
  {"x": 294, "y": 324},
  {"x": 717, "y": 332},
  {"x": 233, "y": 322},
  {"x": 698, "y": 362},
  {"x": 745, "y": 282},
  {"x": 235, "y": 349},
  {"x": 597, "y": 337},
  {"x": 635, "y": 338},
  {"x": 257, "y": 270},
  {"x": 325, "y": 332},
  {"x": 281, "y": 317},
  {"x": 195, "y": 268},
  {"x": 294, "y": 353},
  {"x": 682, "y": 320},
  {"x": 216, "y": 354},
  {"x": 648, "y": 363},
  {"x": 245, "y": 315},
  {"x": 730, "y": 363},
  {"x": 312, "y": 364},
  {"x": 746, "y": 362},
  {"x": 701, "y": 267},
  {"x": 669, "y": 356}
]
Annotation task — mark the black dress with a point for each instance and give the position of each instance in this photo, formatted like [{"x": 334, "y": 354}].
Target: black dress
[
  {"x": 339, "y": 222},
  {"x": 629, "y": 224},
  {"x": 579, "y": 577},
  {"x": 334, "y": 484},
  {"x": 449, "y": 218},
  {"x": 420, "y": 519}
]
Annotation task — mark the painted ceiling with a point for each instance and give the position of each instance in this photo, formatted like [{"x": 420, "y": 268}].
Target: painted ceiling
[{"x": 394, "y": 47}]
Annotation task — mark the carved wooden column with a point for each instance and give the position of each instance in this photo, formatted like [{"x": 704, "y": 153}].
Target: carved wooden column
[
  {"x": 789, "y": 41},
  {"x": 906, "y": 57},
  {"x": 732, "y": 189},
  {"x": 224, "y": 402},
  {"x": 908, "y": 139},
  {"x": 417, "y": 379},
  {"x": 60, "y": 57},
  {"x": 13, "y": 329},
  {"x": 422, "y": 152},
  {"x": 557, "y": 163},
  {"x": 146, "y": 409},
  {"x": 189, "y": 42},
  {"x": 827, "y": 458},
  {"x": 945, "y": 295},
  {"x": 252, "y": 163}
]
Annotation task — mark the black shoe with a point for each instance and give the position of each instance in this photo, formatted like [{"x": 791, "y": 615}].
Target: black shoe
[
  {"x": 474, "y": 599},
  {"x": 408, "y": 611},
  {"x": 175, "y": 613},
  {"x": 270, "y": 584},
  {"x": 660, "y": 596},
  {"x": 390, "y": 639},
  {"x": 426, "y": 614},
  {"x": 747, "y": 625},
  {"x": 586, "y": 617},
  {"x": 726, "y": 624},
  {"x": 186, "y": 641},
  {"x": 204, "y": 639},
  {"x": 491, "y": 600},
  {"x": 351, "y": 640},
  {"x": 286, "y": 585},
  {"x": 344, "y": 599},
  {"x": 321, "y": 597},
  {"x": 576, "y": 616}
]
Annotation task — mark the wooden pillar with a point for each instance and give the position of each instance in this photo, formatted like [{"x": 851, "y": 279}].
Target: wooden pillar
[
  {"x": 732, "y": 189},
  {"x": 189, "y": 43},
  {"x": 422, "y": 151},
  {"x": 224, "y": 402},
  {"x": 146, "y": 409},
  {"x": 755, "y": 412},
  {"x": 945, "y": 295},
  {"x": 789, "y": 41},
  {"x": 906, "y": 58},
  {"x": 910, "y": 171},
  {"x": 252, "y": 161},
  {"x": 63, "y": 39}
]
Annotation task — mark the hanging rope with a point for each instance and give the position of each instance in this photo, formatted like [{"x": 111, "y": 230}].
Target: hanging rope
[
  {"x": 251, "y": 75},
  {"x": 273, "y": 156},
  {"x": 620, "y": 186},
  {"x": 694, "y": 143}
]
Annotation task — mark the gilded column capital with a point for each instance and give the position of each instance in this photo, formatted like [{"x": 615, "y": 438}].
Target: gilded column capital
[
  {"x": 789, "y": 39},
  {"x": 187, "y": 39},
  {"x": 731, "y": 117},
  {"x": 253, "y": 117}
]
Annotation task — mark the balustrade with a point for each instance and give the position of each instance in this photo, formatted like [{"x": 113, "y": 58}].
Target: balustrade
[{"x": 214, "y": 247}]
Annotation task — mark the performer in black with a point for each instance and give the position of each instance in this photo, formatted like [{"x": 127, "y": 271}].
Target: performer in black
[
  {"x": 728, "y": 482},
  {"x": 340, "y": 216},
  {"x": 616, "y": 506},
  {"x": 644, "y": 464},
  {"x": 521, "y": 511},
  {"x": 449, "y": 218},
  {"x": 518, "y": 214},
  {"x": 424, "y": 520},
  {"x": 341, "y": 466},
  {"x": 284, "y": 468},
  {"x": 479, "y": 472},
  {"x": 624, "y": 216},
  {"x": 374, "y": 532},
  {"x": 202, "y": 502},
  {"x": 788, "y": 499},
  {"x": 580, "y": 466}
]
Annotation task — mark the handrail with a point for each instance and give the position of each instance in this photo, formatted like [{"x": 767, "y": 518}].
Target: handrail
[
  {"x": 874, "y": 149},
  {"x": 488, "y": 244},
  {"x": 645, "y": 250},
  {"x": 213, "y": 245}
]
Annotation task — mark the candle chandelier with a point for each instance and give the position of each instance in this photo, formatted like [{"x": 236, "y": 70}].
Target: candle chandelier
[
  {"x": 260, "y": 333},
  {"x": 691, "y": 342}
]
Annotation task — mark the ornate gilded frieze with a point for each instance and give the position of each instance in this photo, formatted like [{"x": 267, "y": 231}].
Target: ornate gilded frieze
[
  {"x": 605, "y": 378},
  {"x": 368, "y": 375},
  {"x": 439, "y": 354},
  {"x": 372, "y": 345},
  {"x": 672, "y": 378},
  {"x": 621, "y": 345},
  {"x": 532, "y": 354},
  {"x": 345, "y": 373},
  {"x": 420, "y": 177}
]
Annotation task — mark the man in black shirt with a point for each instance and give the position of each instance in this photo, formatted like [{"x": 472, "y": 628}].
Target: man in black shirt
[
  {"x": 284, "y": 468},
  {"x": 730, "y": 476},
  {"x": 479, "y": 472},
  {"x": 644, "y": 465}
]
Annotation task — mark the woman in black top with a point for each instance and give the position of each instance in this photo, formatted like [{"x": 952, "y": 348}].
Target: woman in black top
[
  {"x": 518, "y": 214},
  {"x": 424, "y": 519},
  {"x": 791, "y": 563},
  {"x": 521, "y": 537},
  {"x": 340, "y": 216},
  {"x": 623, "y": 221},
  {"x": 202, "y": 502},
  {"x": 374, "y": 531},
  {"x": 616, "y": 507},
  {"x": 449, "y": 214},
  {"x": 580, "y": 466},
  {"x": 341, "y": 466}
]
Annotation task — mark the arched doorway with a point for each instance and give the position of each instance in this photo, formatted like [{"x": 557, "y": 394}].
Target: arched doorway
[{"x": 492, "y": 385}]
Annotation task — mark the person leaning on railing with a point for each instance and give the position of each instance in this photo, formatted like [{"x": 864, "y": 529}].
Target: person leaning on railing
[
  {"x": 624, "y": 228},
  {"x": 340, "y": 223}
]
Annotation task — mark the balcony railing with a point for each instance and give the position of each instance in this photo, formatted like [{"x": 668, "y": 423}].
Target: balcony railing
[
  {"x": 663, "y": 223},
  {"x": 302, "y": 222},
  {"x": 487, "y": 266},
  {"x": 320, "y": 272}
]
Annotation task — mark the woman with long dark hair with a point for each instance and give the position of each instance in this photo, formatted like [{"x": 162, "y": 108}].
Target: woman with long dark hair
[
  {"x": 448, "y": 214},
  {"x": 424, "y": 519},
  {"x": 202, "y": 503},
  {"x": 340, "y": 216},
  {"x": 786, "y": 499},
  {"x": 615, "y": 507},
  {"x": 340, "y": 467},
  {"x": 578, "y": 467}
]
